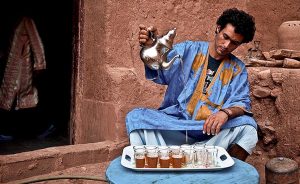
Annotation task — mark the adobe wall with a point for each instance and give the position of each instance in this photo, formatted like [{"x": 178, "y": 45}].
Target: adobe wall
[
  {"x": 275, "y": 103},
  {"x": 111, "y": 76}
]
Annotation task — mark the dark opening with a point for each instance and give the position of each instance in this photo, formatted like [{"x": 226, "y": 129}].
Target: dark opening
[{"x": 47, "y": 124}]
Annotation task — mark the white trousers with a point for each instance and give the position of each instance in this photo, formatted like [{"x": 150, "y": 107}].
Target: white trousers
[{"x": 245, "y": 136}]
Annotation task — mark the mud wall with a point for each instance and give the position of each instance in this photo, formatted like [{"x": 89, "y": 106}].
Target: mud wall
[
  {"x": 111, "y": 76},
  {"x": 275, "y": 103}
]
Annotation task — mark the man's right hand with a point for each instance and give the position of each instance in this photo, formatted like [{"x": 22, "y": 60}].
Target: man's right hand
[{"x": 144, "y": 38}]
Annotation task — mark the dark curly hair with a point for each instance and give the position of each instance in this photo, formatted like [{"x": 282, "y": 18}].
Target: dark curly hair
[{"x": 244, "y": 23}]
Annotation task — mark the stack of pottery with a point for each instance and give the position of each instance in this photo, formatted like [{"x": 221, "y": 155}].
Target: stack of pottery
[{"x": 289, "y": 35}]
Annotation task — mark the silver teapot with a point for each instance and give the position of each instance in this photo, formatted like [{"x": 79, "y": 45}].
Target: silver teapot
[{"x": 155, "y": 56}]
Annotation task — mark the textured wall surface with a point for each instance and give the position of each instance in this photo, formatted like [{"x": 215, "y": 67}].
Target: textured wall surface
[{"x": 275, "y": 103}]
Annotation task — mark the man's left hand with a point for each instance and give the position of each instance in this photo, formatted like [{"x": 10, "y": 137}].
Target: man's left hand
[{"x": 214, "y": 122}]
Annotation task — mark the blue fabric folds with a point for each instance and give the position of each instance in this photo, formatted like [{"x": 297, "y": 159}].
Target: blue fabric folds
[{"x": 184, "y": 106}]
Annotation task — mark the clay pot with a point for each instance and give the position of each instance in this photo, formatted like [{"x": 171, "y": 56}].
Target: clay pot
[{"x": 289, "y": 35}]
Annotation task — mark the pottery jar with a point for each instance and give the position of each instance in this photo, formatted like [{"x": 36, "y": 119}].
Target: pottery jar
[{"x": 289, "y": 35}]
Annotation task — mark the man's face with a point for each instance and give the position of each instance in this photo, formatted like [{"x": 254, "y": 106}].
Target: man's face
[{"x": 227, "y": 40}]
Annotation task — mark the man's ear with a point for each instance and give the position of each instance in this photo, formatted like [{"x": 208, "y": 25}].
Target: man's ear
[{"x": 217, "y": 29}]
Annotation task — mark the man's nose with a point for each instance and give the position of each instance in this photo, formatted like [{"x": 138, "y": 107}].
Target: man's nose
[{"x": 227, "y": 43}]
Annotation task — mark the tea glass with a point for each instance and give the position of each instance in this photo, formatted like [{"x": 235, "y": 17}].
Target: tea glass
[
  {"x": 200, "y": 155},
  {"x": 211, "y": 156},
  {"x": 164, "y": 157},
  {"x": 139, "y": 156},
  {"x": 151, "y": 156},
  {"x": 177, "y": 156},
  {"x": 188, "y": 155}
]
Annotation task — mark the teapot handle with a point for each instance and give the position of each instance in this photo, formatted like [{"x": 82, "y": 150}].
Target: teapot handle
[{"x": 152, "y": 37}]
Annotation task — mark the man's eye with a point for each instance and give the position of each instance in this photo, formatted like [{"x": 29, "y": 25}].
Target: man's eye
[
  {"x": 225, "y": 36},
  {"x": 236, "y": 43}
]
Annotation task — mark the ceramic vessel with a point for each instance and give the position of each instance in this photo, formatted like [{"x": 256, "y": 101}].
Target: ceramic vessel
[{"x": 289, "y": 35}]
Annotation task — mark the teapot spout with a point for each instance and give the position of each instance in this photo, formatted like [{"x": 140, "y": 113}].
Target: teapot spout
[{"x": 167, "y": 65}]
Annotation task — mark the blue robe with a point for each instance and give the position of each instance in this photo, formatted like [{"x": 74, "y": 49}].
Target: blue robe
[{"x": 185, "y": 107}]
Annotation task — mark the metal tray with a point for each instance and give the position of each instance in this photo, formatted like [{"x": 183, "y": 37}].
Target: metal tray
[{"x": 223, "y": 158}]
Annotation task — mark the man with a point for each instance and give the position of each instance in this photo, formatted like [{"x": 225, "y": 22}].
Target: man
[{"x": 207, "y": 99}]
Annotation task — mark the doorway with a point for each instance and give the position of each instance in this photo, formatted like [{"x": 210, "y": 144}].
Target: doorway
[{"x": 47, "y": 124}]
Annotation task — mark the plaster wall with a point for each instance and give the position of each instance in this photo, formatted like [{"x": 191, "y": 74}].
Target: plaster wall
[{"x": 111, "y": 80}]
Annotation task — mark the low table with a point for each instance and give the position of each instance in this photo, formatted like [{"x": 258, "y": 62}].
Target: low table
[{"x": 240, "y": 173}]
